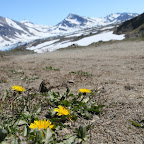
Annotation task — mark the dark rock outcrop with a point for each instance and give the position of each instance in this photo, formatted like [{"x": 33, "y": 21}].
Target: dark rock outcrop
[{"x": 132, "y": 27}]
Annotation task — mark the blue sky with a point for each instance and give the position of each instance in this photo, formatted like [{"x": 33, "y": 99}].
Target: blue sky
[{"x": 51, "y": 12}]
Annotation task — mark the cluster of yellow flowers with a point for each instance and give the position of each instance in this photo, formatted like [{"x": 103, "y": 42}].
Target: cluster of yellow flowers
[
  {"x": 61, "y": 110},
  {"x": 18, "y": 88},
  {"x": 41, "y": 124},
  {"x": 84, "y": 91}
]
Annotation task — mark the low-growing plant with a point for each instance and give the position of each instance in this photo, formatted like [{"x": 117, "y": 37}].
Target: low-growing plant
[
  {"x": 17, "y": 72},
  {"x": 26, "y": 78},
  {"x": 33, "y": 117},
  {"x": 81, "y": 73},
  {"x": 3, "y": 80},
  {"x": 138, "y": 124},
  {"x": 51, "y": 68}
]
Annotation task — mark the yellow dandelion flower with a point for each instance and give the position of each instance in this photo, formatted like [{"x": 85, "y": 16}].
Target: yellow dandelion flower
[
  {"x": 41, "y": 124},
  {"x": 18, "y": 88},
  {"x": 84, "y": 91},
  {"x": 61, "y": 110}
]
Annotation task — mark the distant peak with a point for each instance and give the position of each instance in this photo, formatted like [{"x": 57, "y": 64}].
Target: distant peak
[
  {"x": 123, "y": 13},
  {"x": 120, "y": 16},
  {"x": 26, "y": 21},
  {"x": 71, "y": 15}
]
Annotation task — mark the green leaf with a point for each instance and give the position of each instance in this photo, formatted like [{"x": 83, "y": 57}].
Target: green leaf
[
  {"x": 65, "y": 103},
  {"x": 15, "y": 141},
  {"x": 86, "y": 116},
  {"x": 48, "y": 135},
  {"x": 48, "y": 68},
  {"x": 38, "y": 111},
  {"x": 67, "y": 91},
  {"x": 3, "y": 134},
  {"x": 21, "y": 122},
  {"x": 4, "y": 142},
  {"x": 82, "y": 132},
  {"x": 85, "y": 100},
  {"x": 74, "y": 117},
  {"x": 100, "y": 106},
  {"x": 70, "y": 140},
  {"x": 137, "y": 124},
  {"x": 62, "y": 98},
  {"x": 95, "y": 109},
  {"x": 25, "y": 131}
]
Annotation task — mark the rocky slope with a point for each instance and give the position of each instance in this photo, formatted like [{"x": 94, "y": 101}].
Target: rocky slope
[{"x": 133, "y": 27}]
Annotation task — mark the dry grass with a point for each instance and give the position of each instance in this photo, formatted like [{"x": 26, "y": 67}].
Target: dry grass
[{"x": 117, "y": 67}]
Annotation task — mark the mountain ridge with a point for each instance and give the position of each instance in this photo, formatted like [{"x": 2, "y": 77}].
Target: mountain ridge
[
  {"x": 76, "y": 21},
  {"x": 13, "y": 32}
]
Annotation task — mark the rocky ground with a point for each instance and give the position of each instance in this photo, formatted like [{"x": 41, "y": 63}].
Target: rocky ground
[{"x": 117, "y": 68}]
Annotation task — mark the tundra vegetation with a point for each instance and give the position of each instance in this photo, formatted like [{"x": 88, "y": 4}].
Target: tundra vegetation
[{"x": 47, "y": 117}]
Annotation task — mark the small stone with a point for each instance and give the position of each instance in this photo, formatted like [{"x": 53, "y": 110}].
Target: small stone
[
  {"x": 43, "y": 86},
  {"x": 70, "y": 81}
]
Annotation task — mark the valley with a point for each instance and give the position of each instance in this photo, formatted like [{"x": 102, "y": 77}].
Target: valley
[{"x": 14, "y": 34}]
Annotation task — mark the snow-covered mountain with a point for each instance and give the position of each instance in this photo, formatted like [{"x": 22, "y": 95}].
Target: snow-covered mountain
[
  {"x": 10, "y": 29},
  {"x": 120, "y": 17},
  {"x": 35, "y": 28},
  {"x": 73, "y": 21},
  {"x": 13, "y": 33}
]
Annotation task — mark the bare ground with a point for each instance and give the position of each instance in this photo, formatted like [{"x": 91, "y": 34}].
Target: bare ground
[{"x": 117, "y": 67}]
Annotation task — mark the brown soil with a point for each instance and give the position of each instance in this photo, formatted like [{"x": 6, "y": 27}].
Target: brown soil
[{"x": 117, "y": 67}]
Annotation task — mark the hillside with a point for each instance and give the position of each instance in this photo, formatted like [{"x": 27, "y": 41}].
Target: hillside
[{"x": 133, "y": 27}]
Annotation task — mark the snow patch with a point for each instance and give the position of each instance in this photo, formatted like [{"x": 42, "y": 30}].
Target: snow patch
[
  {"x": 105, "y": 36},
  {"x": 52, "y": 46},
  {"x": 73, "y": 21},
  {"x": 43, "y": 45}
]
